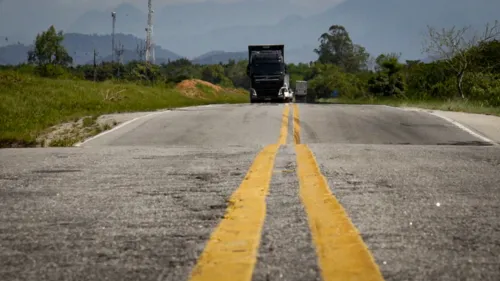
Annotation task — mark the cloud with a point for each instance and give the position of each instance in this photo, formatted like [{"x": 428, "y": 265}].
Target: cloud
[
  {"x": 106, "y": 4},
  {"x": 25, "y": 18}
]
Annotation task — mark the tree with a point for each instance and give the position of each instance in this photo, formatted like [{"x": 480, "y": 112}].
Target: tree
[
  {"x": 215, "y": 74},
  {"x": 329, "y": 78},
  {"x": 236, "y": 72},
  {"x": 454, "y": 46},
  {"x": 487, "y": 57},
  {"x": 359, "y": 59},
  {"x": 388, "y": 81},
  {"x": 48, "y": 50},
  {"x": 180, "y": 69},
  {"x": 336, "y": 47},
  {"x": 382, "y": 58}
]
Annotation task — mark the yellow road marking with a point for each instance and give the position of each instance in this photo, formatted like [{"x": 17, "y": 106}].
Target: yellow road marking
[
  {"x": 231, "y": 251},
  {"x": 284, "y": 125},
  {"x": 296, "y": 124},
  {"x": 342, "y": 254}
]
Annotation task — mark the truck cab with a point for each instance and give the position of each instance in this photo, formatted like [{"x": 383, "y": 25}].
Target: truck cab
[{"x": 268, "y": 73}]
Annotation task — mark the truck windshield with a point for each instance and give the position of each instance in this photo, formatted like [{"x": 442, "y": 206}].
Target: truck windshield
[{"x": 268, "y": 68}]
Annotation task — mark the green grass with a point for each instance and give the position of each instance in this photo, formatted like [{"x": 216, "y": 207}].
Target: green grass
[
  {"x": 30, "y": 105},
  {"x": 449, "y": 105}
]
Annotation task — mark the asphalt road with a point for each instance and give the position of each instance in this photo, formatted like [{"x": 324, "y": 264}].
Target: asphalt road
[{"x": 256, "y": 192}]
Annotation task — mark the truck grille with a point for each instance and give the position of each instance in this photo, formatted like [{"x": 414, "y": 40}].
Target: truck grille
[
  {"x": 267, "y": 92},
  {"x": 267, "y": 85}
]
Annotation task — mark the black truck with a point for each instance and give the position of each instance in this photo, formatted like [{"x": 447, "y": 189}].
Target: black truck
[{"x": 269, "y": 79}]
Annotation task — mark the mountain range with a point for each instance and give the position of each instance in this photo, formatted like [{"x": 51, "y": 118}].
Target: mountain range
[
  {"x": 81, "y": 48},
  {"x": 190, "y": 30}
]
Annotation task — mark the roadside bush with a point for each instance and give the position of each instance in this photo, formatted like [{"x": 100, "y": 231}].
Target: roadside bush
[
  {"x": 443, "y": 90},
  {"x": 51, "y": 71},
  {"x": 485, "y": 87},
  {"x": 383, "y": 85},
  {"x": 330, "y": 78}
]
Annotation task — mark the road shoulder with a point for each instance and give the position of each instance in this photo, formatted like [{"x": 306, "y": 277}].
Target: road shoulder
[{"x": 486, "y": 127}]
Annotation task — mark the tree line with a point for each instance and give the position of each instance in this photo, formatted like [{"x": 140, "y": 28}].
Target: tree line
[{"x": 466, "y": 65}]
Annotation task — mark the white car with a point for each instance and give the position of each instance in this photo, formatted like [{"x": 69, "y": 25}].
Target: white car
[{"x": 287, "y": 94}]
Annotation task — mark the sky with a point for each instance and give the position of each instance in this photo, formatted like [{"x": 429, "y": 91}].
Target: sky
[
  {"x": 19, "y": 18},
  {"x": 379, "y": 25},
  {"x": 316, "y": 5}
]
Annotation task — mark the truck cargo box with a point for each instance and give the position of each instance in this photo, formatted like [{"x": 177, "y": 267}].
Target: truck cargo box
[{"x": 260, "y": 48}]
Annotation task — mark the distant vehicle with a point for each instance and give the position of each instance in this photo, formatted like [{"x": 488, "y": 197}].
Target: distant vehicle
[
  {"x": 269, "y": 79},
  {"x": 300, "y": 91}
]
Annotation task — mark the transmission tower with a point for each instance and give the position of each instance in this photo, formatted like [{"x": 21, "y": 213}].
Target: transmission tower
[
  {"x": 113, "y": 15},
  {"x": 150, "y": 50}
]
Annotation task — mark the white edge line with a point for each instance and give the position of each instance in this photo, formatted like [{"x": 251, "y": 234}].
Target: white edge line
[
  {"x": 457, "y": 124},
  {"x": 133, "y": 120},
  {"x": 463, "y": 127}
]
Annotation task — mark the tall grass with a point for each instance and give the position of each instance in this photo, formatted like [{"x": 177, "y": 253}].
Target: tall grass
[{"x": 30, "y": 104}]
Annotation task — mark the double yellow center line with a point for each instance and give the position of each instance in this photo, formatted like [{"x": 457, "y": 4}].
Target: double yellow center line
[{"x": 231, "y": 252}]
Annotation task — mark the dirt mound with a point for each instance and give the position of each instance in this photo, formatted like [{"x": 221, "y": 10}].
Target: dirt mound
[{"x": 190, "y": 88}]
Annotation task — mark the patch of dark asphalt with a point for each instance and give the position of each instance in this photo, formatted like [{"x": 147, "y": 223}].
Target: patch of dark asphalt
[
  {"x": 56, "y": 171},
  {"x": 8, "y": 177},
  {"x": 286, "y": 251},
  {"x": 467, "y": 143},
  {"x": 118, "y": 218},
  {"x": 371, "y": 124}
]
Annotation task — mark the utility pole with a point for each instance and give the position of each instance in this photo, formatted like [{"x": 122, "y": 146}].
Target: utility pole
[
  {"x": 121, "y": 50},
  {"x": 140, "y": 50},
  {"x": 150, "y": 51},
  {"x": 95, "y": 64},
  {"x": 119, "y": 54},
  {"x": 113, "y": 15}
]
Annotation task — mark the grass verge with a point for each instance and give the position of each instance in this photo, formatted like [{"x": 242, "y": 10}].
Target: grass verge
[
  {"x": 31, "y": 105},
  {"x": 450, "y": 105}
]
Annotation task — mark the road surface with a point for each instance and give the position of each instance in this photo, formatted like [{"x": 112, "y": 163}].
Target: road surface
[{"x": 256, "y": 192}]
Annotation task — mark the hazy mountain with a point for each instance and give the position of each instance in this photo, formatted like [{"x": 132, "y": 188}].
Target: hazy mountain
[
  {"x": 176, "y": 26},
  {"x": 81, "y": 48},
  {"x": 185, "y": 19},
  {"x": 400, "y": 25},
  {"x": 129, "y": 20},
  {"x": 375, "y": 25},
  {"x": 296, "y": 55},
  {"x": 14, "y": 54},
  {"x": 193, "y": 29},
  {"x": 381, "y": 26},
  {"x": 216, "y": 57},
  {"x": 195, "y": 18}
]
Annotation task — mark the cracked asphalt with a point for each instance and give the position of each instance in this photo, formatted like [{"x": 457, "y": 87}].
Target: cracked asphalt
[{"x": 142, "y": 201}]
